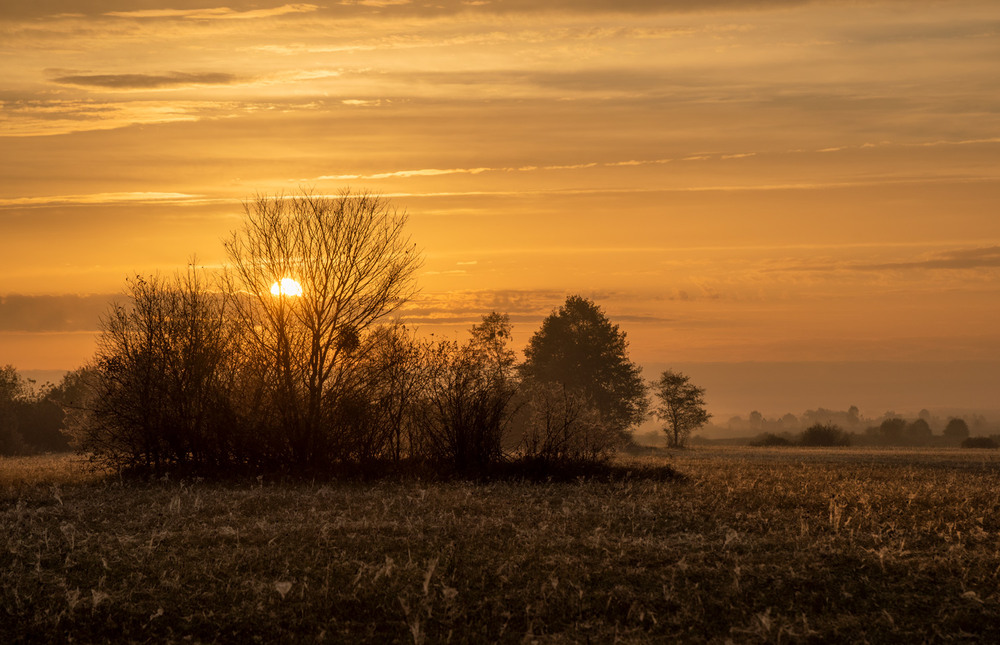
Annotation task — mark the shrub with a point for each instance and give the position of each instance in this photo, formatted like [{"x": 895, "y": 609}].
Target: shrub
[
  {"x": 770, "y": 439},
  {"x": 824, "y": 435},
  {"x": 980, "y": 442},
  {"x": 466, "y": 407},
  {"x": 557, "y": 424}
]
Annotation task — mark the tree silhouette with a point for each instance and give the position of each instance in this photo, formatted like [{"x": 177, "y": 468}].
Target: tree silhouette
[
  {"x": 13, "y": 390},
  {"x": 580, "y": 348},
  {"x": 355, "y": 267},
  {"x": 467, "y": 404},
  {"x": 681, "y": 405},
  {"x": 163, "y": 378},
  {"x": 918, "y": 432},
  {"x": 956, "y": 431},
  {"x": 824, "y": 434}
]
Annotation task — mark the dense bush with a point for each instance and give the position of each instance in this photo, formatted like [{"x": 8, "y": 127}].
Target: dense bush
[
  {"x": 466, "y": 408},
  {"x": 980, "y": 442},
  {"x": 558, "y": 424},
  {"x": 31, "y": 418},
  {"x": 164, "y": 373},
  {"x": 822, "y": 434},
  {"x": 770, "y": 439}
]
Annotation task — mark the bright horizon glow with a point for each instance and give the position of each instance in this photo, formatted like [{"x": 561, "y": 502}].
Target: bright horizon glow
[
  {"x": 734, "y": 183},
  {"x": 286, "y": 287}
]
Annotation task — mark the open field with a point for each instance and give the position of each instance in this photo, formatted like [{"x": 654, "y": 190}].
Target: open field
[{"x": 752, "y": 545}]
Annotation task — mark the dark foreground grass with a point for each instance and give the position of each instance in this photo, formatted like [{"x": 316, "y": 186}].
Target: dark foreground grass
[{"x": 753, "y": 545}]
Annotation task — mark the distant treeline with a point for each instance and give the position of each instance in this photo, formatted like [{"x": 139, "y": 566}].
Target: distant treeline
[
  {"x": 31, "y": 416},
  {"x": 824, "y": 427}
]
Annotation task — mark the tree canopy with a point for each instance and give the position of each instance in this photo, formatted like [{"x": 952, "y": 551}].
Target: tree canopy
[
  {"x": 580, "y": 348},
  {"x": 681, "y": 405}
]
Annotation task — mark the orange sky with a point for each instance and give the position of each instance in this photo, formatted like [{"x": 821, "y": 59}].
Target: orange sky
[{"x": 776, "y": 181}]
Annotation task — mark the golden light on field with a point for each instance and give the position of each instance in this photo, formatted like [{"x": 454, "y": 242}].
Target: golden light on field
[{"x": 286, "y": 287}]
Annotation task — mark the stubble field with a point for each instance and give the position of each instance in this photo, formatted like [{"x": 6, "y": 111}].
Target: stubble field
[{"x": 749, "y": 545}]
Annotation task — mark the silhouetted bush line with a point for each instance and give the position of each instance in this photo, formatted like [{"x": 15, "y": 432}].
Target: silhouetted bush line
[
  {"x": 32, "y": 419},
  {"x": 980, "y": 442},
  {"x": 892, "y": 432},
  {"x": 289, "y": 366}
]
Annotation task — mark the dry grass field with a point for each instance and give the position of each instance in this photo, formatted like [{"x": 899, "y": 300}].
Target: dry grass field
[{"x": 750, "y": 545}]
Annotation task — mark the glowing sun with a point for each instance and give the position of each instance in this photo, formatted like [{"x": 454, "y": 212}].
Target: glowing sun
[{"x": 286, "y": 287}]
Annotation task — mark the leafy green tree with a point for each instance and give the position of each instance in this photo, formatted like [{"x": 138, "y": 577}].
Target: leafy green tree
[
  {"x": 578, "y": 347},
  {"x": 681, "y": 405}
]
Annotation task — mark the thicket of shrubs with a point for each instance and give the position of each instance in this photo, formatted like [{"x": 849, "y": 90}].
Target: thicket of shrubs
[
  {"x": 818, "y": 435},
  {"x": 252, "y": 374},
  {"x": 32, "y": 419},
  {"x": 188, "y": 395},
  {"x": 980, "y": 442}
]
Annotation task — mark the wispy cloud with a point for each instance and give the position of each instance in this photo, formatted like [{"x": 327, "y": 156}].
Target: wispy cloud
[
  {"x": 103, "y": 198},
  {"x": 147, "y": 81},
  {"x": 976, "y": 258},
  {"x": 423, "y": 172},
  {"x": 215, "y": 13},
  {"x": 971, "y": 258},
  {"x": 61, "y": 313},
  {"x": 530, "y": 306}
]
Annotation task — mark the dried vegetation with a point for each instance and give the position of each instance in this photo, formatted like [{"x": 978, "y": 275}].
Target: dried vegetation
[{"x": 752, "y": 545}]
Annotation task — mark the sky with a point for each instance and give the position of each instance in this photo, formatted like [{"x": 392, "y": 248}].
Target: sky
[{"x": 803, "y": 191}]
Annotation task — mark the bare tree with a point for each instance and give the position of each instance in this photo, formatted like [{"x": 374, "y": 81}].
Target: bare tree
[
  {"x": 467, "y": 404},
  {"x": 557, "y": 423},
  {"x": 162, "y": 378},
  {"x": 354, "y": 266},
  {"x": 681, "y": 405}
]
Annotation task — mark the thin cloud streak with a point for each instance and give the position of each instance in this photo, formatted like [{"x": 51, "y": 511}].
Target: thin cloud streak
[
  {"x": 953, "y": 259},
  {"x": 216, "y": 13},
  {"x": 734, "y": 156},
  {"x": 147, "y": 81},
  {"x": 107, "y": 198}
]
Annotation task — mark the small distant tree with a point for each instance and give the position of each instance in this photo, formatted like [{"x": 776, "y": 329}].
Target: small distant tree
[
  {"x": 789, "y": 422},
  {"x": 892, "y": 431},
  {"x": 956, "y": 431},
  {"x": 681, "y": 405},
  {"x": 823, "y": 434},
  {"x": 580, "y": 348},
  {"x": 918, "y": 432}
]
